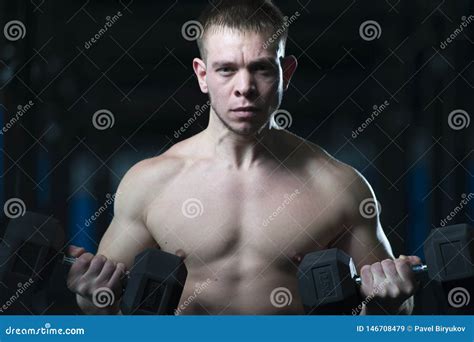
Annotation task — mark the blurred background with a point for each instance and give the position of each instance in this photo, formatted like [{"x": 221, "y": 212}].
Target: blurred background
[{"x": 384, "y": 86}]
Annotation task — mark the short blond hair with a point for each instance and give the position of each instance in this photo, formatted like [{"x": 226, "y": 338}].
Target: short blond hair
[{"x": 243, "y": 15}]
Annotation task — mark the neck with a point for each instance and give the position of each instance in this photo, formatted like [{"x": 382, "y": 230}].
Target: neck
[{"x": 236, "y": 150}]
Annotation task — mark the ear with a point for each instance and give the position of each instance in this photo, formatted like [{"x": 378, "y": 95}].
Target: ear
[
  {"x": 289, "y": 65},
  {"x": 200, "y": 70}
]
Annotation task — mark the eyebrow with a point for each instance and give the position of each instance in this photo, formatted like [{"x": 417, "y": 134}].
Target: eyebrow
[{"x": 252, "y": 63}]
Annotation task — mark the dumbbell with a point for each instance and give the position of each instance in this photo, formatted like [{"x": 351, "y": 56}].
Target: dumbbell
[
  {"x": 32, "y": 247},
  {"x": 153, "y": 286},
  {"x": 328, "y": 282}
]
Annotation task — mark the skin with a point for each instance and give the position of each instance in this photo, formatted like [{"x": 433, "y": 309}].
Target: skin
[{"x": 239, "y": 170}]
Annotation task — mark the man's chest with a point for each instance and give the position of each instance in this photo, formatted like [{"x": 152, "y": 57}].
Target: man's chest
[{"x": 212, "y": 217}]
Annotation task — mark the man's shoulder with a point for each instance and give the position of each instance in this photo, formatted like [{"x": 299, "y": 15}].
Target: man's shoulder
[
  {"x": 144, "y": 181},
  {"x": 154, "y": 170},
  {"x": 350, "y": 189},
  {"x": 160, "y": 169},
  {"x": 317, "y": 158},
  {"x": 329, "y": 172}
]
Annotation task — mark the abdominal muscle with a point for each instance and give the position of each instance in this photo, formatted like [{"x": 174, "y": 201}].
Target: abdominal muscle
[{"x": 256, "y": 289}]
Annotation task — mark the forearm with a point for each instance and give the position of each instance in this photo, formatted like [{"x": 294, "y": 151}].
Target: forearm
[{"x": 405, "y": 309}]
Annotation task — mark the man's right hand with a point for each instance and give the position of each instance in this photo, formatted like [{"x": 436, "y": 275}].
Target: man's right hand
[{"x": 91, "y": 277}]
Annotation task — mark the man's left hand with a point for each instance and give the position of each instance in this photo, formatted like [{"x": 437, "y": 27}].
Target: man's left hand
[{"x": 386, "y": 285}]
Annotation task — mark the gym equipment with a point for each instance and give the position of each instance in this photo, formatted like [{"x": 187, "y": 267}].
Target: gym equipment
[
  {"x": 32, "y": 248},
  {"x": 328, "y": 282}
]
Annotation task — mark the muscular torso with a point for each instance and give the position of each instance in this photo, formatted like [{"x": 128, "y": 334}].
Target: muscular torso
[{"x": 244, "y": 232}]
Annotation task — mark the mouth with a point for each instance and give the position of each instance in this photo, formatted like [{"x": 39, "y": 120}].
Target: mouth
[{"x": 245, "y": 112}]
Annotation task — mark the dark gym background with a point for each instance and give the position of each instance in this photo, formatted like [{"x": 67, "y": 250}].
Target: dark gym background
[{"x": 419, "y": 163}]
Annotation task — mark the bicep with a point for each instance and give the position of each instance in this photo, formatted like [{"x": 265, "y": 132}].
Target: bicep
[
  {"x": 124, "y": 239},
  {"x": 363, "y": 237},
  {"x": 366, "y": 243},
  {"x": 127, "y": 234}
]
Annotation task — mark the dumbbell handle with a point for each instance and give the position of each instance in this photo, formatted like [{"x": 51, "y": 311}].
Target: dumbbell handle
[
  {"x": 67, "y": 260},
  {"x": 415, "y": 268}
]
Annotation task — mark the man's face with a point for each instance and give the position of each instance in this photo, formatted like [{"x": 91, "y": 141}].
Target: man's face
[{"x": 244, "y": 80}]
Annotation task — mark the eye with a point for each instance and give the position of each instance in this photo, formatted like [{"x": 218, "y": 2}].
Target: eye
[
  {"x": 264, "y": 69},
  {"x": 224, "y": 70}
]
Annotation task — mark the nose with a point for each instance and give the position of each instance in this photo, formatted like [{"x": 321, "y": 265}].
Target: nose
[{"x": 245, "y": 85}]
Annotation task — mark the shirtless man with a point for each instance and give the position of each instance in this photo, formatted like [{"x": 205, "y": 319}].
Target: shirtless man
[{"x": 242, "y": 202}]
